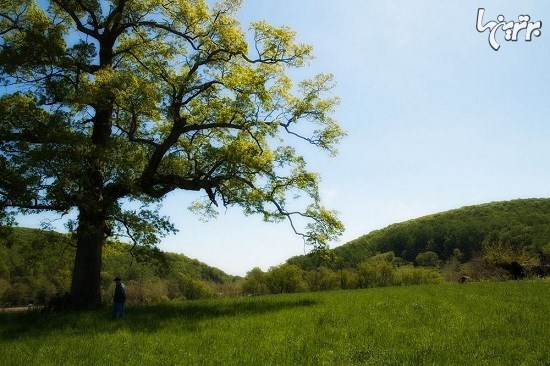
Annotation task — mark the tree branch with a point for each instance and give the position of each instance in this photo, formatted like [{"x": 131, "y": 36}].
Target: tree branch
[
  {"x": 131, "y": 134},
  {"x": 169, "y": 29},
  {"x": 91, "y": 32},
  {"x": 37, "y": 206},
  {"x": 91, "y": 13}
]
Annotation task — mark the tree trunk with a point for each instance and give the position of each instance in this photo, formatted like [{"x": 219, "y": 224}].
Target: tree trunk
[{"x": 85, "y": 286}]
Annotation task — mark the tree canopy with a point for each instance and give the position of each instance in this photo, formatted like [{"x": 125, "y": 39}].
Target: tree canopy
[{"x": 107, "y": 103}]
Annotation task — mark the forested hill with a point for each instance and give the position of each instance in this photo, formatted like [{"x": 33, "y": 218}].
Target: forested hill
[
  {"x": 36, "y": 265},
  {"x": 522, "y": 224}
]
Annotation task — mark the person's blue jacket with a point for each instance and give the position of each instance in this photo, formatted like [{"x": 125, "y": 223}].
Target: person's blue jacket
[{"x": 120, "y": 293}]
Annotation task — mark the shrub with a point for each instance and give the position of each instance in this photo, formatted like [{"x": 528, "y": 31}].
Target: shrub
[
  {"x": 323, "y": 279},
  {"x": 376, "y": 273},
  {"x": 60, "y": 302},
  {"x": 255, "y": 282},
  {"x": 409, "y": 275},
  {"x": 134, "y": 290},
  {"x": 496, "y": 253},
  {"x": 348, "y": 279},
  {"x": 193, "y": 289},
  {"x": 286, "y": 278},
  {"x": 427, "y": 259},
  {"x": 17, "y": 293}
]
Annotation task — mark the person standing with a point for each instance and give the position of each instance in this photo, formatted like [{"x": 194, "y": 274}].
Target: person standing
[{"x": 119, "y": 299}]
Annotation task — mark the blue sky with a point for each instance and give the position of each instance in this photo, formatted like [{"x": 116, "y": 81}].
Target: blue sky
[{"x": 436, "y": 119}]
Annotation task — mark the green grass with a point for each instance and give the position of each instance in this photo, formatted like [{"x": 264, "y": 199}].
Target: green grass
[{"x": 449, "y": 324}]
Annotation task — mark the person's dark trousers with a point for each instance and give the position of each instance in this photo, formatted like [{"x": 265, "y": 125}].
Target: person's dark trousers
[{"x": 118, "y": 310}]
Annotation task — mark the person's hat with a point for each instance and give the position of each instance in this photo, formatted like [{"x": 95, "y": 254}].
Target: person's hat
[{"x": 117, "y": 279}]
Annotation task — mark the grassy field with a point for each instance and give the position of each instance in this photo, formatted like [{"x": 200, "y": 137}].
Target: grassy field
[{"x": 504, "y": 323}]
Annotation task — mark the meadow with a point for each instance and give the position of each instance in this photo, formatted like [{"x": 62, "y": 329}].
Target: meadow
[{"x": 485, "y": 323}]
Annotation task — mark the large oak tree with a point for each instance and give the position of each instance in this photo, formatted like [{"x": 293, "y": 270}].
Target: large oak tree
[{"x": 106, "y": 104}]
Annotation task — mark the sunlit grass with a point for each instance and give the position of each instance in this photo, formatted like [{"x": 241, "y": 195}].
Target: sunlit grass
[{"x": 448, "y": 324}]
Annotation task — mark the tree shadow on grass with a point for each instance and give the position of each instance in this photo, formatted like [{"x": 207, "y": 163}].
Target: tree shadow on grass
[{"x": 185, "y": 316}]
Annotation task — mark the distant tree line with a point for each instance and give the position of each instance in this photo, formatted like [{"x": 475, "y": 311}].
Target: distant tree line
[
  {"x": 497, "y": 241},
  {"x": 380, "y": 270},
  {"x": 495, "y": 261}
]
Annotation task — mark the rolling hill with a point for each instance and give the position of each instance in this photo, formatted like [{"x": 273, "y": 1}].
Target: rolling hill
[
  {"x": 36, "y": 265},
  {"x": 518, "y": 225}
]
